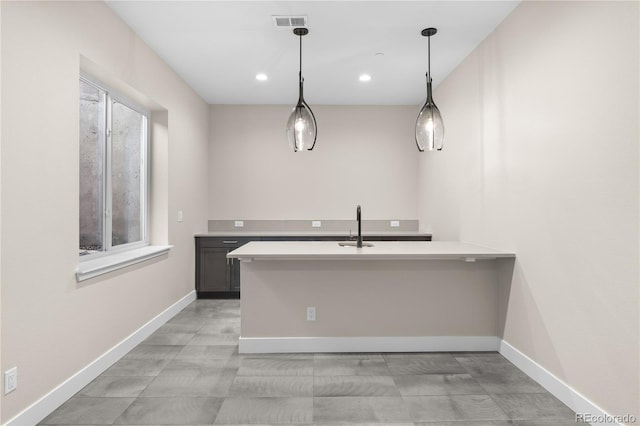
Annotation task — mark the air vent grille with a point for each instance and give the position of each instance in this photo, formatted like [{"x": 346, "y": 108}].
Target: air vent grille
[{"x": 284, "y": 21}]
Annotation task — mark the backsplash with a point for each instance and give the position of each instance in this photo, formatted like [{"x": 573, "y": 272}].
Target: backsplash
[{"x": 368, "y": 226}]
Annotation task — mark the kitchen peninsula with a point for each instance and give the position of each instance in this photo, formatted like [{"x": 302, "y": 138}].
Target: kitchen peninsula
[{"x": 394, "y": 296}]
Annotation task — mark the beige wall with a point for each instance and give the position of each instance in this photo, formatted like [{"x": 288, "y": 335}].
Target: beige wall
[
  {"x": 364, "y": 155},
  {"x": 52, "y": 326},
  {"x": 356, "y": 298},
  {"x": 541, "y": 158}
]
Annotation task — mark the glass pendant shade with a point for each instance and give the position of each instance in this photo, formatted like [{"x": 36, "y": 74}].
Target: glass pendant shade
[
  {"x": 429, "y": 125},
  {"x": 301, "y": 126}
]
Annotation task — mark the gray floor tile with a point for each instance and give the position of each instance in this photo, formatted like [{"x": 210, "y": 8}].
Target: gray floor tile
[
  {"x": 401, "y": 365},
  {"x": 180, "y": 328},
  {"x": 187, "y": 316},
  {"x": 438, "y": 384},
  {"x": 417, "y": 355},
  {"x": 476, "y": 354},
  {"x": 553, "y": 422},
  {"x": 487, "y": 364},
  {"x": 349, "y": 355},
  {"x": 88, "y": 410},
  {"x": 468, "y": 423},
  {"x": 201, "y": 339},
  {"x": 276, "y": 366},
  {"x": 350, "y": 367},
  {"x": 192, "y": 368},
  {"x": 453, "y": 408},
  {"x": 533, "y": 406},
  {"x": 165, "y": 338},
  {"x": 221, "y": 326},
  {"x": 153, "y": 352},
  {"x": 116, "y": 386},
  {"x": 265, "y": 410},
  {"x": 203, "y": 385},
  {"x": 354, "y": 386},
  {"x": 137, "y": 367},
  {"x": 192, "y": 352},
  {"x": 228, "y": 312},
  {"x": 198, "y": 367},
  {"x": 390, "y": 423},
  {"x": 191, "y": 321},
  {"x": 292, "y": 356},
  {"x": 171, "y": 411},
  {"x": 272, "y": 386},
  {"x": 509, "y": 382},
  {"x": 359, "y": 409}
]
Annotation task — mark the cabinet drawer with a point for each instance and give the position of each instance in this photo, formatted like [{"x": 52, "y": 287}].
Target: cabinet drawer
[{"x": 220, "y": 242}]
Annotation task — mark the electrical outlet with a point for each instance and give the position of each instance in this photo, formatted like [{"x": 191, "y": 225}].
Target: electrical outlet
[
  {"x": 311, "y": 313},
  {"x": 395, "y": 223},
  {"x": 10, "y": 380},
  {"x": 180, "y": 216},
  {"x": 238, "y": 223},
  {"x": 316, "y": 223}
]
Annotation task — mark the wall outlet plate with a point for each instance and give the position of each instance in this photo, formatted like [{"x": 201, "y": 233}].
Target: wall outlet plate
[
  {"x": 10, "y": 380},
  {"x": 316, "y": 224},
  {"x": 180, "y": 216},
  {"x": 311, "y": 313},
  {"x": 394, "y": 223},
  {"x": 238, "y": 223}
]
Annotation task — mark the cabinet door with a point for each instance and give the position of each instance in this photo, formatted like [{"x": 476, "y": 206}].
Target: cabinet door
[
  {"x": 235, "y": 275},
  {"x": 215, "y": 269}
]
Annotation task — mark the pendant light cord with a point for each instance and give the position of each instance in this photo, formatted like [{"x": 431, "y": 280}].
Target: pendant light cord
[
  {"x": 300, "y": 72},
  {"x": 429, "y": 58}
]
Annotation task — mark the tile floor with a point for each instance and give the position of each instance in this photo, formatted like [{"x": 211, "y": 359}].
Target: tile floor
[{"x": 190, "y": 373}]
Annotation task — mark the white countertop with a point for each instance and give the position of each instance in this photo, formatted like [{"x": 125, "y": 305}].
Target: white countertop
[{"x": 382, "y": 250}]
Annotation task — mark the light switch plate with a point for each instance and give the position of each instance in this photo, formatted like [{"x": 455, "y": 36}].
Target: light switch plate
[
  {"x": 10, "y": 380},
  {"x": 238, "y": 223},
  {"x": 316, "y": 224},
  {"x": 180, "y": 216}
]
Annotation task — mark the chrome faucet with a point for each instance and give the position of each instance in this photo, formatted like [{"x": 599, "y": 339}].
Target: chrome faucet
[{"x": 359, "y": 219}]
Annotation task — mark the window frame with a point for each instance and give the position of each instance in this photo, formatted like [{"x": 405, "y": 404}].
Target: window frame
[{"x": 111, "y": 95}]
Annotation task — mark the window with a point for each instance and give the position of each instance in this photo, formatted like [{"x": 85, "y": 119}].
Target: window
[{"x": 114, "y": 145}]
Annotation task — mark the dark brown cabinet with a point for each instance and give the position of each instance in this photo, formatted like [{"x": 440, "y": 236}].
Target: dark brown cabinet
[{"x": 219, "y": 278}]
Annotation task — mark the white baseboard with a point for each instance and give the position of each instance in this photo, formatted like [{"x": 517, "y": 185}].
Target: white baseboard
[
  {"x": 565, "y": 393},
  {"x": 368, "y": 344},
  {"x": 52, "y": 400}
]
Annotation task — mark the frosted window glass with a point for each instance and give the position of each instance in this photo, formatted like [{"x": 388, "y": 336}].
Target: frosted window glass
[
  {"x": 126, "y": 174},
  {"x": 92, "y": 142}
]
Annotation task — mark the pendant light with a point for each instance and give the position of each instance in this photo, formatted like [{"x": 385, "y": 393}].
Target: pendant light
[
  {"x": 429, "y": 125},
  {"x": 301, "y": 126}
]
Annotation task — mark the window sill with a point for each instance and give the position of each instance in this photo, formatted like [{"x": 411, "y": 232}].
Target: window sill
[{"x": 103, "y": 265}]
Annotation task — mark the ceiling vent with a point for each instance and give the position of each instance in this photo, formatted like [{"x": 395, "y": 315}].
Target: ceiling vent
[{"x": 286, "y": 21}]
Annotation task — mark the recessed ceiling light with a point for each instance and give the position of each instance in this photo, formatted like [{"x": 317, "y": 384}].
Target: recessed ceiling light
[
  {"x": 364, "y": 77},
  {"x": 261, "y": 77}
]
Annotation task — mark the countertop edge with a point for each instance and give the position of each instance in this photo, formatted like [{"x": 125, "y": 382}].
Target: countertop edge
[{"x": 442, "y": 250}]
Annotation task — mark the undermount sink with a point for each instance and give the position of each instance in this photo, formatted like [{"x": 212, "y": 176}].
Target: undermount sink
[{"x": 353, "y": 244}]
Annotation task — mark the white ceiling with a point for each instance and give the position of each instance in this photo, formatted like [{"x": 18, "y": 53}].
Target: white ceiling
[{"x": 218, "y": 47}]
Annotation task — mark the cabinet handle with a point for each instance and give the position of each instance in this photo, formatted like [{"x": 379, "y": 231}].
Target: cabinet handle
[{"x": 229, "y": 242}]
